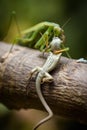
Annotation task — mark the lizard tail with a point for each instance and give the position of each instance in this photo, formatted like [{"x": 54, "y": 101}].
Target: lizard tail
[
  {"x": 43, "y": 121},
  {"x": 38, "y": 89}
]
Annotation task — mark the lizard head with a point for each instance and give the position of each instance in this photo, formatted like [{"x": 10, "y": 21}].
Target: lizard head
[{"x": 56, "y": 44}]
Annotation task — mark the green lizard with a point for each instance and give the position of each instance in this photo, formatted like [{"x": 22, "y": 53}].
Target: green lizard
[{"x": 50, "y": 64}]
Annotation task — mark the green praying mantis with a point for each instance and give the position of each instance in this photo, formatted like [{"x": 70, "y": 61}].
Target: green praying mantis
[{"x": 39, "y": 36}]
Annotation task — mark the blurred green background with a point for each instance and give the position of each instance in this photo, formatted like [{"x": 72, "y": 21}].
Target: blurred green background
[{"x": 28, "y": 13}]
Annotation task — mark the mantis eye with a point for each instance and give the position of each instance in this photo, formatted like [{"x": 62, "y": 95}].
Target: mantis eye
[{"x": 55, "y": 43}]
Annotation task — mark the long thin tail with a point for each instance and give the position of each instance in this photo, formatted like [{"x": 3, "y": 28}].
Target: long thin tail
[
  {"x": 38, "y": 89},
  {"x": 43, "y": 121}
]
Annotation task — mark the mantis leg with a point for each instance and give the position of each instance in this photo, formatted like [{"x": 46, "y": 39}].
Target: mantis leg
[
  {"x": 28, "y": 41},
  {"x": 41, "y": 43},
  {"x": 68, "y": 55},
  {"x": 41, "y": 26},
  {"x": 32, "y": 37}
]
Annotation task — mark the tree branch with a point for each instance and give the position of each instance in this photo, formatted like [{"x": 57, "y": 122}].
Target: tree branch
[{"x": 67, "y": 95}]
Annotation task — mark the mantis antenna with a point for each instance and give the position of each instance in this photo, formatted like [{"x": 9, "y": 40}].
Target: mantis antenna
[
  {"x": 62, "y": 28},
  {"x": 66, "y": 22}
]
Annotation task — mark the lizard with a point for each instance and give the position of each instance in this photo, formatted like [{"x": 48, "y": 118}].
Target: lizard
[{"x": 44, "y": 76}]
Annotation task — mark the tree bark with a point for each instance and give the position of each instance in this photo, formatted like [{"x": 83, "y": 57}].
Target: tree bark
[{"x": 66, "y": 95}]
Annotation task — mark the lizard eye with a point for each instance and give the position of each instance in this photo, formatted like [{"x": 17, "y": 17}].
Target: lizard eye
[{"x": 55, "y": 43}]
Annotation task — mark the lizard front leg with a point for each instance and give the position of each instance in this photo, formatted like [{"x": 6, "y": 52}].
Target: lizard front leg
[{"x": 36, "y": 69}]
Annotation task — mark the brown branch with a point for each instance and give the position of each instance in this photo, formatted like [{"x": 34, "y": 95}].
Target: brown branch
[{"x": 67, "y": 95}]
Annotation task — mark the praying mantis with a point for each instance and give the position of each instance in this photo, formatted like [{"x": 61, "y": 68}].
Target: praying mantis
[
  {"x": 40, "y": 36},
  {"x": 36, "y": 36}
]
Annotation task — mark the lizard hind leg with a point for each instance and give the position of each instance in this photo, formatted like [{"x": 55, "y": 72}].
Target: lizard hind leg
[{"x": 47, "y": 78}]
